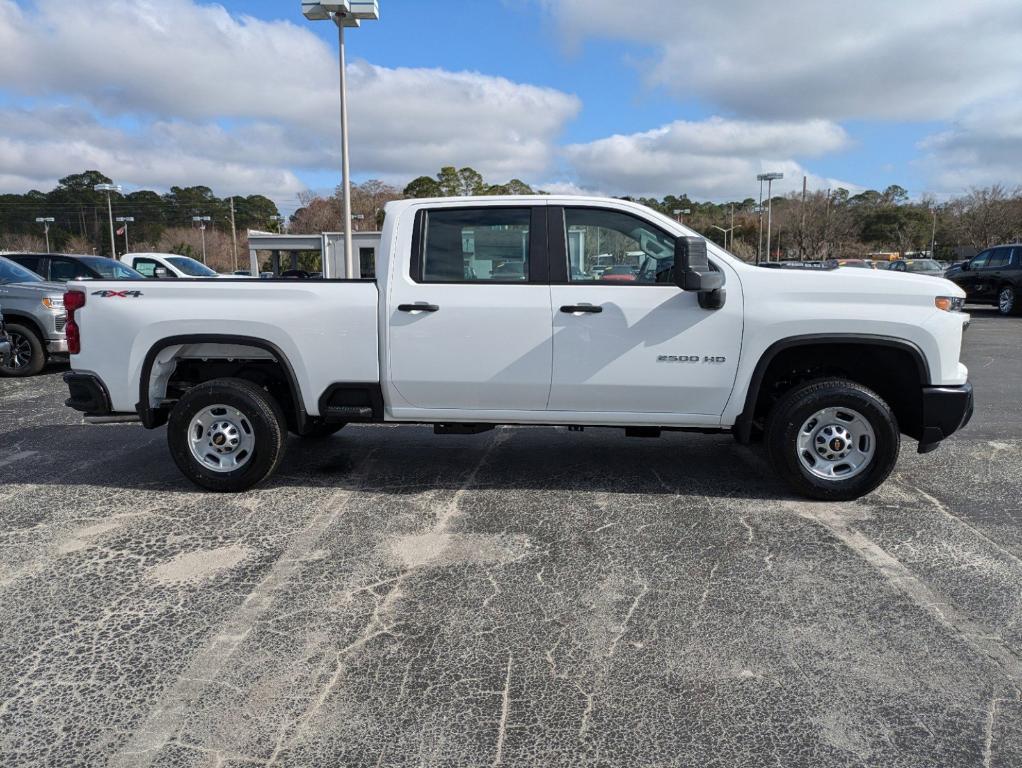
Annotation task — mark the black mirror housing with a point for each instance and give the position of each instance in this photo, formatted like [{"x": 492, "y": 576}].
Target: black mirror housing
[{"x": 692, "y": 267}]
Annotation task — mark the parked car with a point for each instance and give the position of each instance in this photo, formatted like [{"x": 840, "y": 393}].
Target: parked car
[
  {"x": 856, "y": 263},
  {"x": 620, "y": 273},
  {"x": 162, "y": 266},
  {"x": 928, "y": 267},
  {"x": 61, "y": 267},
  {"x": 993, "y": 277},
  {"x": 5, "y": 342},
  {"x": 34, "y": 317},
  {"x": 701, "y": 341}
]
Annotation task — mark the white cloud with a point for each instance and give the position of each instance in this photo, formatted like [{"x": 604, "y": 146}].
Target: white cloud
[
  {"x": 982, "y": 148},
  {"x": 238, "y": 102},
  {"x": 714, "y": 158},
  {"x": 912, "y": 59}
]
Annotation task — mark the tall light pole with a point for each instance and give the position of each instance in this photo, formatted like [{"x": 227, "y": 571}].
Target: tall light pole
[
  {"x": 46, "y": 228},
  {"x": 933, "y": 236},
  {"x": 769, "y": 178},
  {"x": 110, "y": 189},
  {"x": 201, "y": 221},
  {"x": 345, "y": 14},
  {"x": 126, "y": 220}
]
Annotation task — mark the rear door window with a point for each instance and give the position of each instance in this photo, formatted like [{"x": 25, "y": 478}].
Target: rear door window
[
  {"x": 475, "y": 245},
  {"x": 999, "y": 258},
  {"x": 146, "y": 267},
  {"x": 62, "y": 270}
]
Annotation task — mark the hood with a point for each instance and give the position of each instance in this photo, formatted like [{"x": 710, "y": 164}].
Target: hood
[
  {"x": 33, "y": 289},
  {"x": 870, "y": 285}
]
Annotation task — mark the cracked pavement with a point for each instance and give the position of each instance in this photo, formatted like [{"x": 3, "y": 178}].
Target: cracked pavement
[{"x": 523, "y": 597}]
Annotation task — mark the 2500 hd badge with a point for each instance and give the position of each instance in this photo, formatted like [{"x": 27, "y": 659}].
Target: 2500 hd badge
[{"x": 690, "y": 359}]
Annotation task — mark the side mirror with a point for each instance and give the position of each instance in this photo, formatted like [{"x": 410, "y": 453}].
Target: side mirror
[
  {"x": 966, "y": 267},
  {"x": 160, "y": 273},
  {"x": 692, "y": 272}
]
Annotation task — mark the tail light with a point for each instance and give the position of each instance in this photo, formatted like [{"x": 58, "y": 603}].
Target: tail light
[{"x": 73, "y": 300}]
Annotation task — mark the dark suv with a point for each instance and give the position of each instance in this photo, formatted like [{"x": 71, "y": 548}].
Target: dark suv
[
  {"x": 993, "y": 277},
  {"x": 59, "y": 267}
]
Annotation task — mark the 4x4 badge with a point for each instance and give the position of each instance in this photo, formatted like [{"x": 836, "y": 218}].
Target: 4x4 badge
[{"x": 117, "y": 294}]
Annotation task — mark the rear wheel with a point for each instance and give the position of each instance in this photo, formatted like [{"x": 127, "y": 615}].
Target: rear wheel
[
  {"x": 28, "y": 355},
  {"x": 1007, "y": 301},
  {"x": 227, "y": 435},
  {"x": 833, "y": 439}
]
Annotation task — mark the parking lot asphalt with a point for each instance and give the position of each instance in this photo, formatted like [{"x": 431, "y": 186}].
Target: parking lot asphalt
[{"x": 523, "y": 597}]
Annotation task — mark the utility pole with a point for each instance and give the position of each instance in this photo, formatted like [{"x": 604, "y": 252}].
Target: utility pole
[
  {"x": 110, "y": 189},
  {"x": 234, "y": 235},
  {"x": 759, "y": 246},
  {"x": 201, "y": 221},
  {"x": 46, "y": 228},
  {"x": 802, "y": 228}
]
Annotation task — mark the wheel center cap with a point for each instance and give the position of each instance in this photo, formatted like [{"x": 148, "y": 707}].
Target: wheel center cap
[
  {"x": 219, "y": 439},
  {"x": 837, "y": 444}
]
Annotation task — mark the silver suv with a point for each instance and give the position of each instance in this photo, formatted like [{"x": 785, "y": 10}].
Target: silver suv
[{"x": 34, "y": 317}]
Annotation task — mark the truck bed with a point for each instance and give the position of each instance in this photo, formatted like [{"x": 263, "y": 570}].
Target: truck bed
[{"x": 326, "y": 329}]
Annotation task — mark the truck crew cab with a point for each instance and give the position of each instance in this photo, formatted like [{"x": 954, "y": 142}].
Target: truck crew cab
[{"x": 496, "y": 310}]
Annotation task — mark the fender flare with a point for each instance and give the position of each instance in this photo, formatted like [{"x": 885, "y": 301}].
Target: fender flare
[
  {"x": 743, "y": 424},
  {"x": 153, "y": 418}
]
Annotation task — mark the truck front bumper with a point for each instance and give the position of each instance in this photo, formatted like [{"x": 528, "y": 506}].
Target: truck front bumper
[
  {"x": 945, "y": 411},
  {"x": 88, "y": 394},
  {"x": 5, "y": 350},
  {"x": 57, "y": 346}
]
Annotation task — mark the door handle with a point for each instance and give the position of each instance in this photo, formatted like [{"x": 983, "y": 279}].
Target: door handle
[
  {"x": 573, "y": 308},
  {"x": 418, "y": 308}
]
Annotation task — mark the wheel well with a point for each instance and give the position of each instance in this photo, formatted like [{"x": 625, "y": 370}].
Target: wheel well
[
  {"x": 28, "y": 321},
  {"x": 176, "y": 365},
  {"x": 893, "y": 372}
]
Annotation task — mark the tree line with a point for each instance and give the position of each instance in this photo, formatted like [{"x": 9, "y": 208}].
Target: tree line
[
  {"x": 820, "y": 224},
  {"x": 162, "y": 221}
]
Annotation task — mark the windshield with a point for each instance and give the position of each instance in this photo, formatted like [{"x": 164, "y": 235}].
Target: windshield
[
  {"x": 924, "y": 265},
  {"x": 15, "y": 273},
  {"x": 110, "y": 269},
  {"x": 190, "y": 267}
]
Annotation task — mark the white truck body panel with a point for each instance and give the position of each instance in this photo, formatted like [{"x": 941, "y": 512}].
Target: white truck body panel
[{"x": 506, "y": 353}]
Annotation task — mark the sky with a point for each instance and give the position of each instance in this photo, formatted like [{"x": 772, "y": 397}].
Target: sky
[{"x": 642, "y": 98}]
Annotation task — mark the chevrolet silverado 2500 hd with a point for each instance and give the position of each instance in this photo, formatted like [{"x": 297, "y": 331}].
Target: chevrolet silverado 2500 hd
[{"x": 498, "y": 311}]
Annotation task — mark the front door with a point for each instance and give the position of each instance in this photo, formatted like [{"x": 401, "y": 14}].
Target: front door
[
  {"x": 469, "y": 321},
  {"x": 626, "y": 339}
]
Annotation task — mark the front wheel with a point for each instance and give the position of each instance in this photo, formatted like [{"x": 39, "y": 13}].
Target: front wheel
[
  {"x": 227, "y": 435},
  {"x": 1007, "y": 301},
  {"x": 28, "y": 355},
  {"x": 833, "y": 439}
]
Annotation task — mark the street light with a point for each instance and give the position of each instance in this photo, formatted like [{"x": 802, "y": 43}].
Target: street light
[
  {"x": 46, "y": 227},
  {"x": 345, "y": 14},
  {"x": 126, "y": 220},
  {"x": 201, "y": 220},
  {"x": 725, "y": 231},
  {"x": 769, "y": 178},
  {"x": 110, "y": 189},
  {"x": 678, "y": 212}
]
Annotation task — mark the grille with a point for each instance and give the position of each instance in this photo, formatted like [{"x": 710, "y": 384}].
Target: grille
[{"x": 60, "y": 322}]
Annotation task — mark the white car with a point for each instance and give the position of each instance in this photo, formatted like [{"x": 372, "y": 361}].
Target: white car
[
  {"x": 168, "y": 265},
  {"x": 485, "y": 312}
]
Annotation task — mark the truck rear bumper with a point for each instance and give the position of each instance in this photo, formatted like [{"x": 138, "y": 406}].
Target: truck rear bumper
[
  {"x": 945, "y": 411},
  {"x": 88, "y": 394}
]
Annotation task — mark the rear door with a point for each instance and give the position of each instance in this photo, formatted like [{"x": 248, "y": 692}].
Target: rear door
[
  {"x": 635, "y": 344},
  {"x": 988, "y": 278},
  {"x": 469, "y": 314}
]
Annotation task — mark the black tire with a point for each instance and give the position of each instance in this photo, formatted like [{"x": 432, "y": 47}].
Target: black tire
[
  {"x": 320, "y": 431},
  {"x": 1007, "y": 305},
  {"x": 264, "y": 417},
  {"x": 796, "y": 407},
  {"x": 24, "y": 340}
]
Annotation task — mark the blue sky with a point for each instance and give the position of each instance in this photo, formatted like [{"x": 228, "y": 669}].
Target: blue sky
[{"x": 661, "y": 97}]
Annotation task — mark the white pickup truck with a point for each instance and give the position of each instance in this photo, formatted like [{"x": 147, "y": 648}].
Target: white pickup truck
[{"x": 490, "y": 311}]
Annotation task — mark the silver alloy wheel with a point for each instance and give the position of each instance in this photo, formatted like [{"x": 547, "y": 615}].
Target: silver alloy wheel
[
  {"x": 221, "y": 438},
  {"x": 21, "y": 352},
  {"x": 1006, "y": 300},
  {"x": 836, "y": 444}
]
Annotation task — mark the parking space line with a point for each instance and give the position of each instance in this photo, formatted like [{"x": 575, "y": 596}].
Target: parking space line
[{"x": 17, "y": 457}]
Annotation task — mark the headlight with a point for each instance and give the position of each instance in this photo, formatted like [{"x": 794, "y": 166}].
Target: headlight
[
  {"x": 53, "y": 303},
  {"x": 949, "y": 303}
]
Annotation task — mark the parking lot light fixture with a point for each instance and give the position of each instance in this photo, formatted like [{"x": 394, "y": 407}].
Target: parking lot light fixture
[
  {"x": 46, "y": 228},
  {"x": 201, "y": 221},
  {"x": 769, "y": 178},
  {"x": 110, "y": 189},
  {"x": 345, "y": 14}
]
